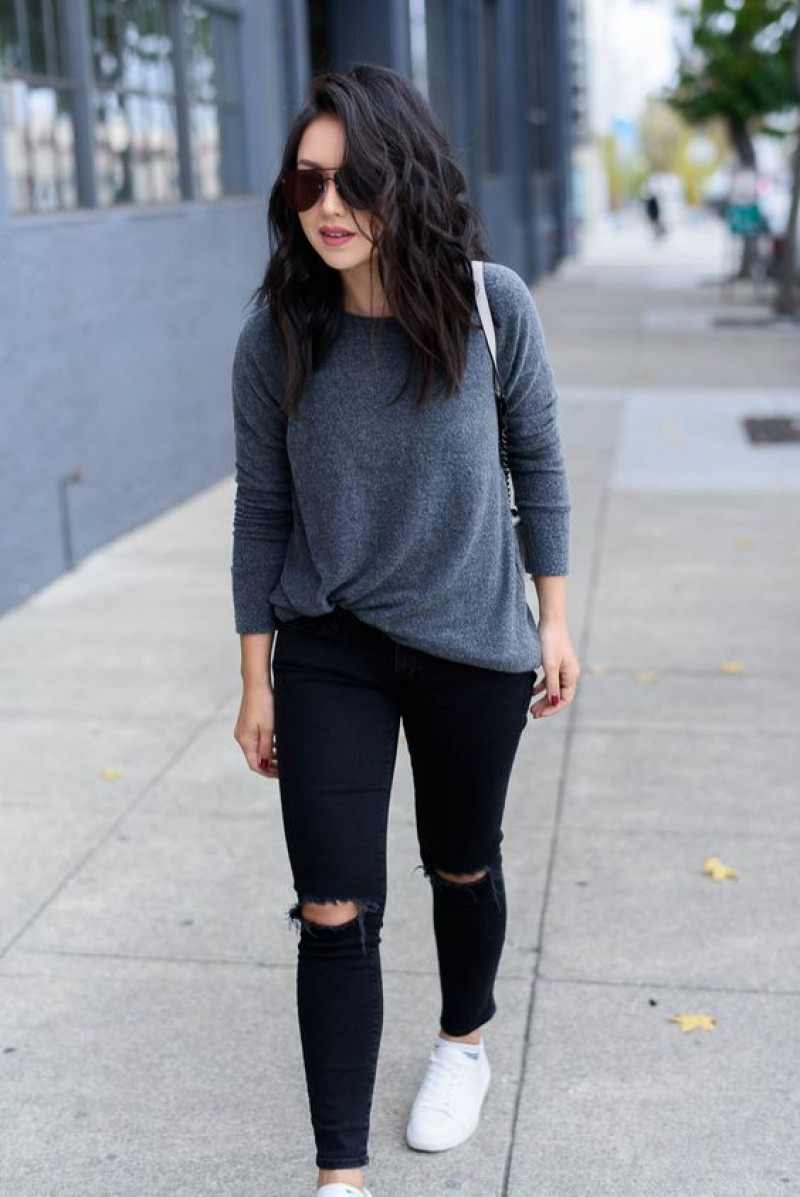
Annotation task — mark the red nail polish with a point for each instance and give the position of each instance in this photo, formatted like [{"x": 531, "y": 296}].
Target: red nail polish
[
  {"x": 264, "y": 762},
  {"x": 554, "y": 700}
]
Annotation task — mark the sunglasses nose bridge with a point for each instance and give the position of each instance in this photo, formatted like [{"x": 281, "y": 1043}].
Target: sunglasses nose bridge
[
  {"x": 323, "y": 190},
  {"x": 315, "y": 186}
]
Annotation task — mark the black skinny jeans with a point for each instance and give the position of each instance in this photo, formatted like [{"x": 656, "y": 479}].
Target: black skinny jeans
[{"x": 341, "y": 688}]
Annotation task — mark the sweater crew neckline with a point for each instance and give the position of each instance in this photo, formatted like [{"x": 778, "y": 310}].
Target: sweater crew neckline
[{"x": 371, "y": 319}]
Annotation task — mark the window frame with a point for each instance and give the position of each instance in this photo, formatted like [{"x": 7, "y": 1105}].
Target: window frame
[
  {"x": 227, "y": 108},
  {"x": 52, "y": 79},
  {"x": 75, "y": 24}
]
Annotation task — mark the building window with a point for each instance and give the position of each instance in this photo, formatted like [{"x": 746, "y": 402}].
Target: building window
[
  {"x": 215, "y": 106},
  {"x": 38, "y": 101},
  {"x": 112, "y": 102},
  {"x": 134, "y": 102}
]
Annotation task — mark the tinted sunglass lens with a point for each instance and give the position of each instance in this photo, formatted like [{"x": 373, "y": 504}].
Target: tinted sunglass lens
[{"x": 301, "y": 188}]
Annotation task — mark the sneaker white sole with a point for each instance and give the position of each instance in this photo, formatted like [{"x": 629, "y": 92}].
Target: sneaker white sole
[
  {"x": 460, "y": 1134},
  {"x": 348, "y": 1189}
]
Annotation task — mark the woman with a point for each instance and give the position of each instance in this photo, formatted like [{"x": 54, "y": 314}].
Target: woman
[{"x": 372, "y": 532}]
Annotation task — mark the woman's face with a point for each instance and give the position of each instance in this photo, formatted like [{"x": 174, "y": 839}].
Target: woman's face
[{"x": 322, "y": 147}]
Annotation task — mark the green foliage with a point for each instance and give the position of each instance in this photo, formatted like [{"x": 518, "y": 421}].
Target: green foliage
[{"x": 739, "y": 65}]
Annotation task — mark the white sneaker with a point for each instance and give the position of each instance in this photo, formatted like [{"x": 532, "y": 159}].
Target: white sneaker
[
  {"x": 337, "y": 1188},
  {"x": 447, "y": 1107}
]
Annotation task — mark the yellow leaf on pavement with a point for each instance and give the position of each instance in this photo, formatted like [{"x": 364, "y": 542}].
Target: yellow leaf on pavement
[
  {"x": 646, "y": 675},
  {"x": 732, "y": 667},
  {"x": 694, "y": 1022},
  {"x": 718, "y": 871},
  {"x": 112, "y": 774}
]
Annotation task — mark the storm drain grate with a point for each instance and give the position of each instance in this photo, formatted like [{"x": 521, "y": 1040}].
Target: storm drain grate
[{"x": 772, "y": 430}]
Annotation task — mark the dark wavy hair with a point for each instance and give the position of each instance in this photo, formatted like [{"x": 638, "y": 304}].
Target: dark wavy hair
[{"x": 398, "y": 165}]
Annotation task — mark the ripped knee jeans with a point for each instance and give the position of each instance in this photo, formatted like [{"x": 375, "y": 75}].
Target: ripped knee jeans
[{"x": 341, "y": 690}]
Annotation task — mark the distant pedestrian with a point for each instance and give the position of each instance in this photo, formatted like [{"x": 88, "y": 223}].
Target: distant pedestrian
[
  {"x": 652, "y": 206},
  {"x": 372, "y": 533}
]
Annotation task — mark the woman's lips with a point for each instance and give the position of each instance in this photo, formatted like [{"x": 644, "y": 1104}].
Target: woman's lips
[{"x": 333, "y": 241}]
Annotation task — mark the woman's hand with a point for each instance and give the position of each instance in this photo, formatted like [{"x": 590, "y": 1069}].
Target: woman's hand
[
  {"x": 561, "y": 669},
  {"x": 255, "y": 729}
]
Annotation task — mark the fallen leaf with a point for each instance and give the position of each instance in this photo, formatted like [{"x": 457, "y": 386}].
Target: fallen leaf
[
  {"x": 694, "y": 1022},
  {"x": 718, "y": 871},
  {"x": 646, "y": 675},
  {"x": 732, "y": 667},
  {"x": 743, "y": 542},
  {"x": 112, "y": 774}
]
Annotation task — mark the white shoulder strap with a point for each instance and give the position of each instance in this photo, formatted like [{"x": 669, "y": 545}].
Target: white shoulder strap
[{"x": 484, "y": 311}]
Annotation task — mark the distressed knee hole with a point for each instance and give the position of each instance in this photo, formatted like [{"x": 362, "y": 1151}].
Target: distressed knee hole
[
  {"x": 329, "y": 913},
  {"x": 472, "y": 885},
  {"x": 324, "y": 916},
  {"x": 462, "y": 878}
]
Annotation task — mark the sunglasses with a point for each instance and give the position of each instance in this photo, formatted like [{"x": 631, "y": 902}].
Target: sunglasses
[{"x": 302, "y": 188}]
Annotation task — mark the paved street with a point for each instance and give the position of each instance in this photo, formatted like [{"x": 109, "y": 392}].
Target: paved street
[{"x": 147, "y": 970}]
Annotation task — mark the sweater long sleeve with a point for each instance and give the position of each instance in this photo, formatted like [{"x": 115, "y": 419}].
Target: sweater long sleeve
[
  {"x": 396, "y": 512},
  {"x": 262, "y": 519},
  {"x": 535, "y": 454}
]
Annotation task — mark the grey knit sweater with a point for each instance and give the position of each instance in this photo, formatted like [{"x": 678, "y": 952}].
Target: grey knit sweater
[{"x": 399, "y": 514}]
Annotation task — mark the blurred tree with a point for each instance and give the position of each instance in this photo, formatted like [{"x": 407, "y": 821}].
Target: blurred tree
[
  {"x": 624, "y": 173},
  {"x": 660, "y": 133},
  {"x": 739, "y": 66},
  {"x": 742, "y": 66},
  {"x": 613, "y": 171},
  {"x": 669, "y": 143},
  {"x": 700, "y": 153}
]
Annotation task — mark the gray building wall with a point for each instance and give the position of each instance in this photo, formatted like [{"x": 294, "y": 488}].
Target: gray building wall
[
  {"x": 116, "y": 334},
  {"x": 117, "y": 326},
  {"x": 519, "y": 176}
]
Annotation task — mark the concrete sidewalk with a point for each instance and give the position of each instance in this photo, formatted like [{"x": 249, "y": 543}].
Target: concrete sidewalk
[{"x": 147, "y": 978}]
